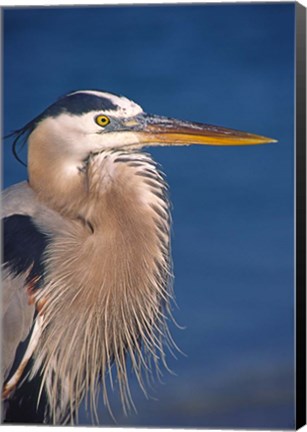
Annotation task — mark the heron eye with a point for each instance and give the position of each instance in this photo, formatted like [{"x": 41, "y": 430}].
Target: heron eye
[{"x": 102, "y": 120}]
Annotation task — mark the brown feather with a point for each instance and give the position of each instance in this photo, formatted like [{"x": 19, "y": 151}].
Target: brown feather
[{"x": 106, "y": 290}]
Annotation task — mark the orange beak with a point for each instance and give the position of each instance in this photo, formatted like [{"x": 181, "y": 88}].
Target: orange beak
[{"x": 157, "y": 130}]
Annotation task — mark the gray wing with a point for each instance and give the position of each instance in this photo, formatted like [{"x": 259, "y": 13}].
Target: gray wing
[
  {"x": 27, "y": 229},
  {"x": 23, "y": 246},
  {"x": 17, "y": 318}
]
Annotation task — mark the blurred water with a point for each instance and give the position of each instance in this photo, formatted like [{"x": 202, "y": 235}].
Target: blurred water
[{"x": 233, "y": 207}]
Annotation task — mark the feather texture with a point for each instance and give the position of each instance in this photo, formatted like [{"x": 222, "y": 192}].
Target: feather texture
[{"x": 97, "y": 315}]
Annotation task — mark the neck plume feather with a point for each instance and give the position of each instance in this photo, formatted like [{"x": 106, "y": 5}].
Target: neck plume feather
[{"x": 108, "y": 289}]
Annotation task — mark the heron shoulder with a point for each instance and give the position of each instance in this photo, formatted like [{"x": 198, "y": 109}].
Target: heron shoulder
[
  {"x": 21, "y": 199},
  {"x": 24, "y": 245},
  {"x": 28, "y": 228},
  {"x": 18, "y": 198}
]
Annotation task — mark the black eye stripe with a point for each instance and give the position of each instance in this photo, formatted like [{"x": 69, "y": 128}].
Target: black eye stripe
[{"x": 79, "y": 103}]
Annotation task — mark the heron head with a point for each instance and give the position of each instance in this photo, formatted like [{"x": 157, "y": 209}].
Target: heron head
[{"x": 85, "y": 122}]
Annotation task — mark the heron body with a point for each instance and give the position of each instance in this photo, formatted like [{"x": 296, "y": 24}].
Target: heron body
[{"x": 87, "y": 275}]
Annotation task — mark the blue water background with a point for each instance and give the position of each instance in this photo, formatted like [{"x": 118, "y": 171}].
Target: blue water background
[{"x": 230, "y": 65}]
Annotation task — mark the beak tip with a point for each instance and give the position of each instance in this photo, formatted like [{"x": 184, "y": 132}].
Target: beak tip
[
  {"x": 270, "y": 141},
  {"x": 258, "y": 139}
]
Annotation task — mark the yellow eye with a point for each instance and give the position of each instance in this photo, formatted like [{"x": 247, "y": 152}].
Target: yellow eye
[{"x": 102, "y": 120}]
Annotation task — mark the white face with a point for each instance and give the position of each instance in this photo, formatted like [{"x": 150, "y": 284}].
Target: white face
[{"x": 77, "y": 135}]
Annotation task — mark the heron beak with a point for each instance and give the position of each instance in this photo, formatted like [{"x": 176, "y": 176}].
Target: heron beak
[{"x": 156, "y": 130}]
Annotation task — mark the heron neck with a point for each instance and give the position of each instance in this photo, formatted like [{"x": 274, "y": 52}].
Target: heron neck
[
  {"x": 55, "y": 176},
  {"x": 113, "y": 281}
]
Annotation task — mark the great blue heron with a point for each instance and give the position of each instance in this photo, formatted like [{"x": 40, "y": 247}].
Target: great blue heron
[{"x": 87, "y": 267}]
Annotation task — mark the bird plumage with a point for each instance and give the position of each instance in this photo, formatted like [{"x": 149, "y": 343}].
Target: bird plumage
[
  {"x": 119, "y": 297},
  {"x": 87, "y": 266}
]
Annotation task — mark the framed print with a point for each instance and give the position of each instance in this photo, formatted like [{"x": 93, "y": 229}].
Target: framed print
[{"x": 154, "y": 215}]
